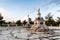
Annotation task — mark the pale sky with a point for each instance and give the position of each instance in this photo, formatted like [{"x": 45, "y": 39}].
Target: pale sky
[{"x": 19, "y": 9}]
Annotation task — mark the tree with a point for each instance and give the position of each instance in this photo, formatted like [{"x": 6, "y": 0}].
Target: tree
[
  {"x": 1, "y": 17},
  {"x": 30, "y": 21},
  {"x": 49, "y": 16},
  {"x": 49, "y": 20},
  {"x": 58, "y": 21},
  {"x": 9, "y": 22},
  {"x": 18, "y": 22},
  {"x": 24, "y": 22},
  {"x": 1, "y": 20}
]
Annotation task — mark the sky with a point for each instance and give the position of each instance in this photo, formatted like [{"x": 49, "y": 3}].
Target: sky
[{"x": 13, "y": 10}]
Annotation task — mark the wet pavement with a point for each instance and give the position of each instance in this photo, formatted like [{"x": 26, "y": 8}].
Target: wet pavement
[{"x": 19, "y": 33}]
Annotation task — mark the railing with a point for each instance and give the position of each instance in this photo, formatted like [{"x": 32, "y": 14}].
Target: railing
[{"x": 8, "y": 25}]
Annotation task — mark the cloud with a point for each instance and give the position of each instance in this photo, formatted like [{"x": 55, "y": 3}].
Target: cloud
[
  {"x": 58, "y": 11},
  {"x": 7, "y": 15},
  {"x": 57, "y": 2},
  {"x": 24, "y": 18}
]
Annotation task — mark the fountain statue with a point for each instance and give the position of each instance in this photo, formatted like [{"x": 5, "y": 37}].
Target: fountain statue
[{"x": 39, "y": 24}]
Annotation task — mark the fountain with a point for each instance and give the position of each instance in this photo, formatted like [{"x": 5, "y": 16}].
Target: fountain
[{"x": 39, "y": 25}]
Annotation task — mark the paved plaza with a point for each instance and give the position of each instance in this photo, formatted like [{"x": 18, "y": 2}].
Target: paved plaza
[{"x": 19, "y": 33}]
